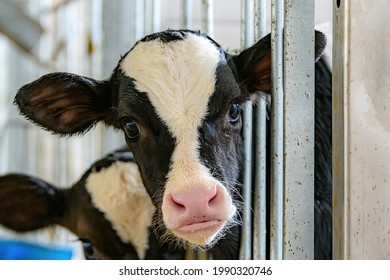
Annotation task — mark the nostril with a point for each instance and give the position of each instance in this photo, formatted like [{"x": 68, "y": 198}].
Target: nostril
[
  {"x": 214, "y": 198},
  {"x": 177, "y": 203}
]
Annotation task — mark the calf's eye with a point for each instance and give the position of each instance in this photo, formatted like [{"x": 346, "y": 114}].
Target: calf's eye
[
  {"x": 234, "y": 113},
  {"x": 89, "y": 250},
  {"x": 132, "y": 129}
]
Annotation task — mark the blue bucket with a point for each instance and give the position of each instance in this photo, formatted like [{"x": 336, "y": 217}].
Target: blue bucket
[{"x": 20, "y": 250}]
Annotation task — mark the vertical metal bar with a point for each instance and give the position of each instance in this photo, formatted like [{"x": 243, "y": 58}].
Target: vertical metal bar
[
  {"x": 260, "y": 192},
  {"x": 17, "y": 146},
  {"x": 31, "y": 147},
  {"x": 111, "y": 42},
  {"x": 31, "y": 134},
  {"x": 277, "y": 153},
  {"x": 156, "y": 20},
  {"x": 115, "y": 16},
  {"x": 298, "y": 130},
  {"x": 89, "y": 140},
  {"x": 139, "y": 8},
  {"x": 3, "y": 105},
  {"x": 246, "y": 233},
  {"x": 148, "y": 16},
  {"x": 97, "y": 38},
  {"x": 186, "y": 14},
  {"x": 340, "y": 87},
  {"x": 207, "y": 24},
  {"x": 96, "y": 29}
]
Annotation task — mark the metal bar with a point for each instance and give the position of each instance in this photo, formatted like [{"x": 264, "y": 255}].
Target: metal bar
[
  {"x": 156, "y": 20},
  {"x": 340, "y": 87},
  {"x": 207, "y": 24},
  {"x": 148, "y": 16},
  {"x": 246, "y": 233},
  {"x": 109, "y": 40},
  {"x": 260, "y": 192},
  {"x": 89, "y": 143},
  {"x": 139, "y": 8},
  {"x": 96, "y": 56},
  {"x": 277, "y": 139},
  {"x": 186, "y": 14},
  {"x": 31, "y": 133},
  {"x": 298, "y": 130},
  {"x": 16, "y": 145}
]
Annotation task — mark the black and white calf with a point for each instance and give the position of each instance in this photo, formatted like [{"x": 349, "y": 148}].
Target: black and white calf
[
  {"x": 177, "y": 95},
  {"x": 108, "y": 209}
]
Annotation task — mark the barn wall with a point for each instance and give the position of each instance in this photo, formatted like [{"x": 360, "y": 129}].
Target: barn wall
[{"x": 361, "y": 65}]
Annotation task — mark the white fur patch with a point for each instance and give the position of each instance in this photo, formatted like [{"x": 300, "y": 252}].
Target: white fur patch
[
  {"x": 178, "y": 77},
  {"x": 119, "y": 193}
]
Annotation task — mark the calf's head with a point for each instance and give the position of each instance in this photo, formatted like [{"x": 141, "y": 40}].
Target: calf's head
[
  {"x": 108, "y": 209},
  {"x": 177, "y": 95}
]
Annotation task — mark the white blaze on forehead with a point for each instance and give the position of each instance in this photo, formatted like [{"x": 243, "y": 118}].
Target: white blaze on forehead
[
  {"x": 179, "y": 78},
  {"x": 118, "y": 192}
]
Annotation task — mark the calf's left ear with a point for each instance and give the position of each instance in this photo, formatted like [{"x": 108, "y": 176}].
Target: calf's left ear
[
  {"x": 64, "y": 103},
  {"x": 254, "y": 64}
]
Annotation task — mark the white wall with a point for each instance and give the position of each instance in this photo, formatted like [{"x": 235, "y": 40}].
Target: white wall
[{"x": 362, "y": 96}]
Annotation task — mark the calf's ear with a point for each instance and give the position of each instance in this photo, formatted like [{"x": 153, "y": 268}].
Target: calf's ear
[
  {"x": 64, "y": 103},
  {"x": 28, "y": 203},
  {"x": 253, "y": 65}
]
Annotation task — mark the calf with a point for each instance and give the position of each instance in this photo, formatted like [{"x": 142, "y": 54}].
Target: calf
[
  {"x": 177, "y": 96},
  {"x": 323, "y": 162},
  {"x": 108, "y": 209}
]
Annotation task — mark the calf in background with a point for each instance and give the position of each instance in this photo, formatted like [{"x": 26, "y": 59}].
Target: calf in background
[{"x": 108, "y": 209}]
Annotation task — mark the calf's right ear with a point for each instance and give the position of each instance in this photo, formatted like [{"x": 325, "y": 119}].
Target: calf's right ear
[
  {"x": 28, "y": 203},
  {"x": 65, "y": 103}
]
